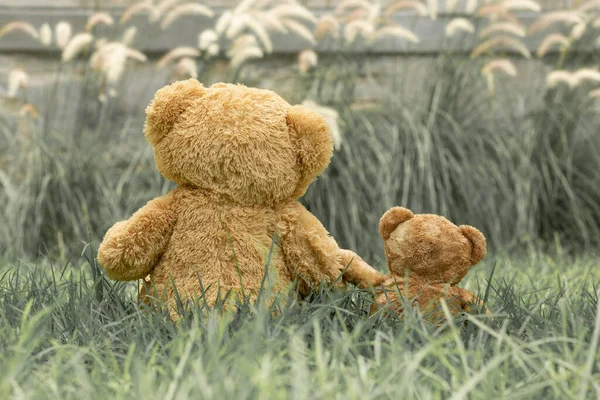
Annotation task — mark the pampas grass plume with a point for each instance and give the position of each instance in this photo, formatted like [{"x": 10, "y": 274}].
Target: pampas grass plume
[
  {"x": 62, "y": 32},
  {"x": 76, "y": 45},
  {"x": 19, "y": 26},
  {"x": 177, "y": 53},
  {"x": 16, "y": 80},
  {"x": 459, "y": 24},
  {"x": 549, "y": 41},
  {"x": 46, "y": 34},
  {"x": 183, "y": 10}
]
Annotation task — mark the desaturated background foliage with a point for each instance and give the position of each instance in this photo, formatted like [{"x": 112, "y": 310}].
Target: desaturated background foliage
[
  {"x": 503, "y": 136},
  {"x": 516, "y": 156}
]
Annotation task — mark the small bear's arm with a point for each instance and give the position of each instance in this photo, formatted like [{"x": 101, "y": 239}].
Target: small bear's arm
[
  {"x": 468, "y": 299},
  {"x": 131, "y": 248}
]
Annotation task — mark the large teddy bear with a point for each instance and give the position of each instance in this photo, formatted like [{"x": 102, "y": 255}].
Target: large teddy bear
[
  {"x": 427, "y": 257},
  {"x": 241, "y": 158}
]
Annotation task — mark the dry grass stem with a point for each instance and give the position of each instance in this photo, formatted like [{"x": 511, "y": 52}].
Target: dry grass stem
[
  {"x": 63, "y": 32},
  {"x": 17, "y": 80},
  {"x": 76, "y": 45},
  {"x": 432, "y": 6},
  {"x": 46, "y": 34},
  {"x": 327, "y": 25},
  {"x": 556, "y": 17},
  {"x": 358, "y": 28},
  {"x": 500, "y": 64},
  {"x": 19, "y": 26},
  {"x": 185, "y": 10},
  {"x": 414, "y": 5},
  {"x": 139, "y": 8},
  {"x": 505, "y": 42},
  {"x": 244, "y": 55},
  {"x": 350, "y": 5},
  {"x": 129, "y": 35},
  {"x": 572, "y": 79},
  {"x": 206, "y": 38},
  {"x": 331, "y": 118},
  {"x": 299, "y": 29},
  {"x": 459, "y": 25},
  {"x": 307, "y": 60},
  {"x": 503, "y": 27},
  {"x": 99, "y": 18},
  {"x": 578, "y": 31},
  {"x": 187, "y": 68},
  {"x": 551, "y": 40},
  {"x": 177, "y": 53},
  {"x": 293, "y": 11}
]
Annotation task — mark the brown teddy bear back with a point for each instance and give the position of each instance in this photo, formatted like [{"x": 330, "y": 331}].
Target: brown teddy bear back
[
  {"x": 427, "y": 256},
  {"x": 218, "y": 246},
  {"x": 241, "y": 157}
]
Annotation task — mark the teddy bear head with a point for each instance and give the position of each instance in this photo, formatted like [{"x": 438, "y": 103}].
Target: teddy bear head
[
  {"x": 248, "y": 145},
  {"x": 429, "y": 247}
]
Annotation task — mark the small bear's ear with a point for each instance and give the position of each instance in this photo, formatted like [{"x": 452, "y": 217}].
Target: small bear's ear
[
  {"x": 167, "y": 105},
  {"x": 477, "y": 240},
  {"x": 314, "y": 147},
  {"x": 391, "y": 219}
]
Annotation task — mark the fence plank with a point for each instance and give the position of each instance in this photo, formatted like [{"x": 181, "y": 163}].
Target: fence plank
[
  {"x": 185, "y": 32},
  {"x": 318, "y": 4}
]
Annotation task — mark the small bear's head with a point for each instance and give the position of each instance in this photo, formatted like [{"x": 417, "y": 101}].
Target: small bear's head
[
  {"x": 429, "y": 247},
  {"x": 248, "y": 145}
]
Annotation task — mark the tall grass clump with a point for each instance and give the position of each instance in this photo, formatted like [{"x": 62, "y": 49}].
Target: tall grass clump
[
  {"x": 67, "y": 176},
  {"x": 523, "y": 169},
  {"x": 67, "y": 333},
  {"x": 520, "y": 168},
  {"x": 457, "y": 135}
]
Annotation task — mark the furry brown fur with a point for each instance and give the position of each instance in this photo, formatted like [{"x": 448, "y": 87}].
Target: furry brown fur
[
  {"x": 434, "y": 254},
  {"x": 241, "y": 157}
]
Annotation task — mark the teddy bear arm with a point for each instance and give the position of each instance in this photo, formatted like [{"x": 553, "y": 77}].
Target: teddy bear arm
[
  {"x": 131, "y": 248},
  {"x": 460, "y": 299},
  {"x": 310, "y": 252},
  {"x": 358, "y": 272}
]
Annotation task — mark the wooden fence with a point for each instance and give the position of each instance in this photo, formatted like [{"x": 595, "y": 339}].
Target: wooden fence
[{"x": 185, "y": 31}]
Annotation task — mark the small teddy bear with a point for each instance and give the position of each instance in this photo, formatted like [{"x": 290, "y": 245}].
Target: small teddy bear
[
  {"x": 427, "y": 257},
  {"x": 241, "y": 158}
]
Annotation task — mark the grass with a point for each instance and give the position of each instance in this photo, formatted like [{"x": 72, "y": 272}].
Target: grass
[{"x": 63, "y": 337}]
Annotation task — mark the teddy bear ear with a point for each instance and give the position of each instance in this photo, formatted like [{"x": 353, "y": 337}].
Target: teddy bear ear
[
  {"x": 477, "y": 240},
  {"x": 314, "y": 147},
  {"x": 391, "y": 219},
  {"x": 167, "y": 105},
  {"x": 219, "y": 85}
]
